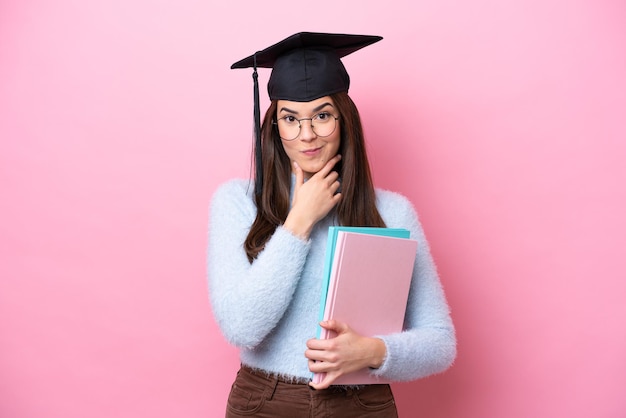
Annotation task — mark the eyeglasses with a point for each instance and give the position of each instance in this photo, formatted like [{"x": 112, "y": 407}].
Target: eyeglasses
[{"x": 323, "y": 124}]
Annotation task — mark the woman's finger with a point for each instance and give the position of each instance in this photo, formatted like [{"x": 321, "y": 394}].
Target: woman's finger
[
  {"x": 299, "y": 175},
  {"x": 328, "y": 167}
]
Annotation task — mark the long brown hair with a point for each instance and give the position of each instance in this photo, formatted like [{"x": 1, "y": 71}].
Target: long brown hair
[{"x": 357, "y": 206}]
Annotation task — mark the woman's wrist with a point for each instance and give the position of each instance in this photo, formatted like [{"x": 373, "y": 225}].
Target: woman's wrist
[
  {"x": 299, "y": 228},
  {"x": 379, "y": 350}
]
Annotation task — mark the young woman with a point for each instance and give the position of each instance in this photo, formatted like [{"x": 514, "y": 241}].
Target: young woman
[{"x": 267, "y": 246}]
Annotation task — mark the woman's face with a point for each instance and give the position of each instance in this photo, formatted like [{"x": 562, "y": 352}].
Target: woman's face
[{"x": 310, "y": 150}]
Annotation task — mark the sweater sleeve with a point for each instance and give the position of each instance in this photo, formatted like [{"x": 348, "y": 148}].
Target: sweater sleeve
[
  {"x": 248, "y": 300},
  {"x": 428, "y": 343}
]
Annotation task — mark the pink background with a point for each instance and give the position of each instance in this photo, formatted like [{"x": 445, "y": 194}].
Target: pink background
[{"x": 504, "y": 122}]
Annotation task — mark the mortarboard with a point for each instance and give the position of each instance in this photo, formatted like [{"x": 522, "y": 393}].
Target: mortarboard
[{"x": 305, "y": 66}]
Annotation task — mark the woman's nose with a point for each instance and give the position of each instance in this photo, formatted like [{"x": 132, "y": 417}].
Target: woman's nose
[{"x": 306, "y": 130}]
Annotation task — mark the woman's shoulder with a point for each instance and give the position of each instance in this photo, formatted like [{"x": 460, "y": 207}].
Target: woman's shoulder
[
  {"x": 387, "y": 198},
  {"x": 234, "y": 191},
  {"x": 234, "y": 187},
  {"x": 395, "y": 208}
]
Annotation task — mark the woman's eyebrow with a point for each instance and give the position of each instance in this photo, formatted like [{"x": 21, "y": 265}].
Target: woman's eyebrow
[
  {"x": 317, "y": 109},
  {"x": 320, "y": 107},
  {"x": 284, "y": 109}
]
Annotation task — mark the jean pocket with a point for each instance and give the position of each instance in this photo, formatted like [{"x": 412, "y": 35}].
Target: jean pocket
[
  {"x": 374, "y": 398},
  {"x": 245, "y": 399}
]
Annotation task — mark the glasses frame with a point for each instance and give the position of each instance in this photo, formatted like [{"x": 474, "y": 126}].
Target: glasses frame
[{"x": 275, "y": 122}]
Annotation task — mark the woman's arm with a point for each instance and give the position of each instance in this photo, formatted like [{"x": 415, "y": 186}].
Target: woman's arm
[
  {"x": 248, "y": 300},
  {"x": 428, "y": 344}
]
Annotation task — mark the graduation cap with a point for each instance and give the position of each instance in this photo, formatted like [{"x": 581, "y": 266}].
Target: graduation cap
[{"x": 305, "y": 66}]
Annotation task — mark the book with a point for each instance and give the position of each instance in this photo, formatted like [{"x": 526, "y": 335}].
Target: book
[
  {"x": 330, "y": 253},
  {"x": 369, "y": 275}
]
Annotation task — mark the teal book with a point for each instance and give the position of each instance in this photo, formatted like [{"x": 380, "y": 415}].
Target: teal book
[{"x": 330, "y": 254}]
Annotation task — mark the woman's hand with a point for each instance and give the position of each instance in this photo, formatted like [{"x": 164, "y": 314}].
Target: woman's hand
[
  {"x": 345, "y": 353},
  {"x": 313, "y": 199}
]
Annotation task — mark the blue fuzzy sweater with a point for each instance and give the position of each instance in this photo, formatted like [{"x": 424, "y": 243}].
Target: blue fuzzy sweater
[{"x": 270, "y": 308}]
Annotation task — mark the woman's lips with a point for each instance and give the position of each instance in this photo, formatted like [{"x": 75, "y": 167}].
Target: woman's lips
[{"x": 312, "y": 152}]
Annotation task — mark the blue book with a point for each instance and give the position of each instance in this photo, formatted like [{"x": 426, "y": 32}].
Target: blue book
[{"x": 330, "y": 253}]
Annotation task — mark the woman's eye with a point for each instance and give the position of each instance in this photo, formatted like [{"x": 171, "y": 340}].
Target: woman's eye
[
  {"x": 289, "y": 119},
  {"x": 322, "y": 116}
]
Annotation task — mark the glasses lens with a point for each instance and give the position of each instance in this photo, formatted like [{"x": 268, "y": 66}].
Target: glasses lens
[
  {"x": 323, "y": 124},
  {"x": 288, "y": 128}
]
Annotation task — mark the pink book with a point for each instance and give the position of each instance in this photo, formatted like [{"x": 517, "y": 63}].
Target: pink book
[{"x": 368, "y": 289}]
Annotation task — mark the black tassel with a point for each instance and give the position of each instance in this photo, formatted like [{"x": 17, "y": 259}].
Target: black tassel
[{"x": 258, "y": 163}]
